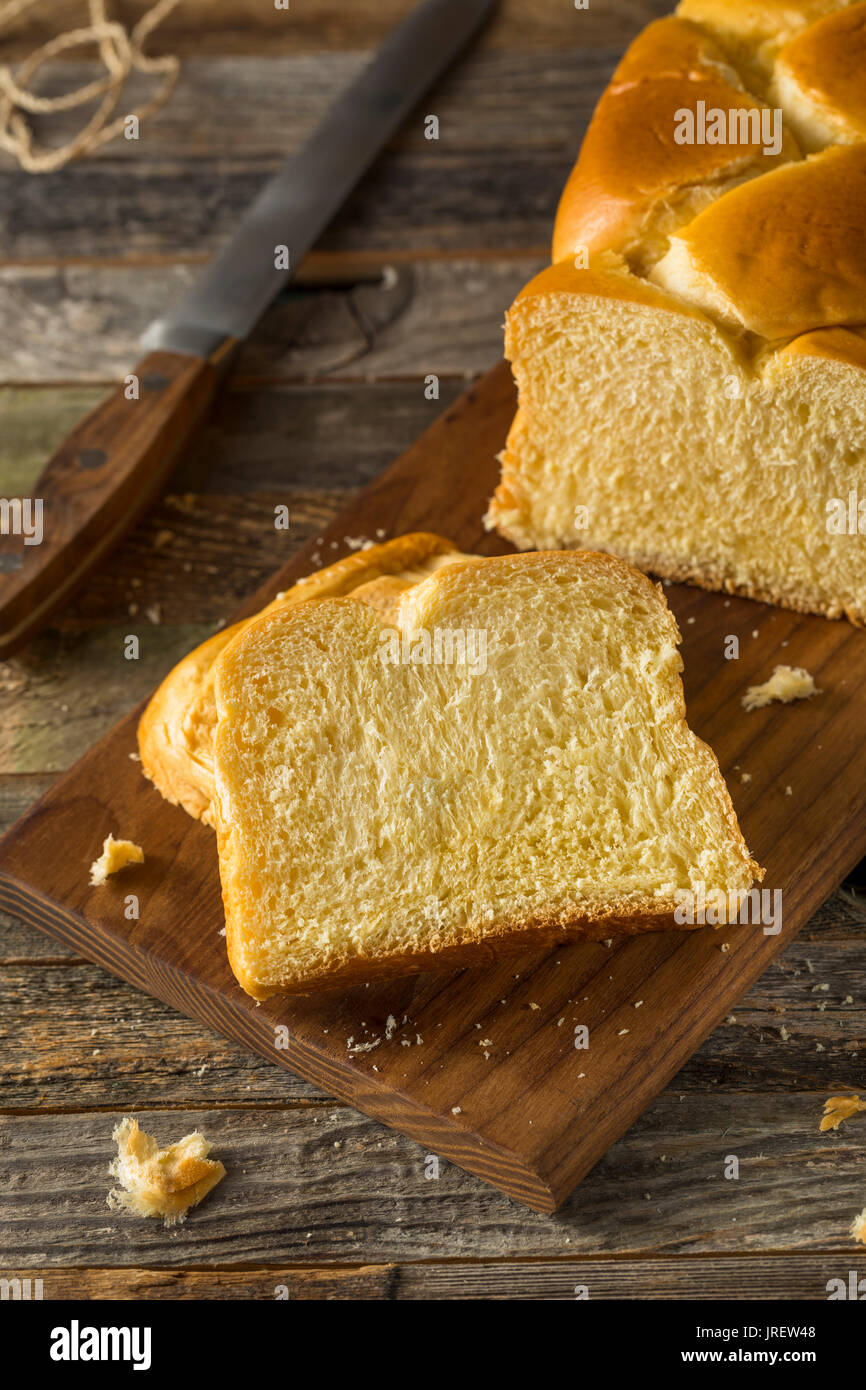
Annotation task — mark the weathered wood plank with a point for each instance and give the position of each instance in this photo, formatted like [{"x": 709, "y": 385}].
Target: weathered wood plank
[
  {"x": 249, "y": 108},
  {"x": 237, "y": 27},
  {"x": 307, "y": 1186},
  {"x": 410, "y": 201},
  {"x": 17, "y": 941},
  {"x": 32, "y": 426},
  {"x": 755, "y": 1277},
  {"x": 72, "y": 689},
  {"x": 18, "y": 793},
  {"x": 82, "y": 324},
  {"x": 125, "y": 1049},
  {"x": 292, "y": 441},
  {"x": 799, "y": 1029}
]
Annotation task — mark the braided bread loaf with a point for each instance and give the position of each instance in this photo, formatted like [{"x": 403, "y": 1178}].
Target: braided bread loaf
[{"x": 692, "y": 367}]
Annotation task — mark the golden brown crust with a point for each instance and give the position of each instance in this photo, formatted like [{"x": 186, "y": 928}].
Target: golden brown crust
[
  {"x": 787, "y": 252},
  {"x": 827, "y": 62},
  {"x": 175, "y": 734},
  {"x": 169, "y": 732},
  {"x": 833, "y": 344},
  {"x": 752, "y": 31},
  {"x": 608, "y": 278},
  {"x": 631, "y": 168}
]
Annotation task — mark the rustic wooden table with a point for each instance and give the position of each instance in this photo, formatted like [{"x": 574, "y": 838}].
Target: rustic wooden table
[{"x": 319, "y": 1198}]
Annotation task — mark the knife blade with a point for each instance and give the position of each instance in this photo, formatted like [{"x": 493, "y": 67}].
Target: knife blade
[
  {"x": 114, "y": 464},
  {"x": 296, "y": 205}
]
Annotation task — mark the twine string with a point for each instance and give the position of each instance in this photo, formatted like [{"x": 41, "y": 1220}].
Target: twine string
[{"x": 121, "y": 52}]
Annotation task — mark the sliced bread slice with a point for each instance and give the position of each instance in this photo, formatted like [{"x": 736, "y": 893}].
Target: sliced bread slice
[{"x": 507, "y": 766}]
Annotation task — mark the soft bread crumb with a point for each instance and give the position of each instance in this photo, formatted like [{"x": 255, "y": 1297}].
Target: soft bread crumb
[
  {"x": 839, "y": 1108},
  {"x": 858, "y": 1227},
  {"x": 787, "y": 683},
  {"x": 116, "y": 854},
  {"x": 161, "y": 1182},
  {"x": 582, "y": 637}
]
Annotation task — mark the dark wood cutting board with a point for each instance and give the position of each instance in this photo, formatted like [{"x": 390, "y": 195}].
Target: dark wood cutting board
[{"x": 484, "y": 1070}]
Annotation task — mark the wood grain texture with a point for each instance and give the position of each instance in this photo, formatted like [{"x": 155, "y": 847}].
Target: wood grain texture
[
  {"x": 97, "y": 484},
  {"x": 323, "y": 1184},
  {"x": 796, "y": 1029},
  {"x": 410, "y": 201},
  {"x": 760, "y": 1278},
  {"x": 442, "y": 316},
  {"x": 263, "y": 107},
  {"x": 251, "y": 26},
  {"x": 527, "y": 1120}
]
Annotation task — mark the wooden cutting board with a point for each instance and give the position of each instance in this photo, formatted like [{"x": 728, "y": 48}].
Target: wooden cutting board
[{"x": 482, "y": 1066}]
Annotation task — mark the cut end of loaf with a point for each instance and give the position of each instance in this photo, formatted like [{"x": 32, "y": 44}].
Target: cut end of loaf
[{"x": 724, "y": 468}]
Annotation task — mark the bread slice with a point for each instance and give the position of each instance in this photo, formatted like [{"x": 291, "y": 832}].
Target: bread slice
[
  {"x": 175, "y": 734},
  {"x": 692, "y": 369},
  {"x": 646, "y": 430},
  {"x": 383, "y": 809}
]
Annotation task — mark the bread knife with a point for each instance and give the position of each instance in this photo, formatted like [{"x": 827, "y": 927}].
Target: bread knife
[{"x": 115, "y": 463}]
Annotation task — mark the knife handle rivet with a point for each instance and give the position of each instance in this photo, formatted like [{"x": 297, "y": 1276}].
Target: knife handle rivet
[{"x": 92, "y": 458}]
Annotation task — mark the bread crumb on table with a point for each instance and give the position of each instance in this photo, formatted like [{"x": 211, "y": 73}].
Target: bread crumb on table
[
  {"x": 839, "y": 1108},
  {"x": 787, "y": 683},
  {"x": 161, "y": 1182},
  {"x": 116, "y": 855}
]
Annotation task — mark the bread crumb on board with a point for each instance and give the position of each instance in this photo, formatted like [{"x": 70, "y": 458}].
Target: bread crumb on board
[
  {"x": 787, "y": 683},
  {"x": 858, "y": 1227},
  {"x": 839, "y": 1108},
  {"x": 116, "y": 855},
  {"x": 161, "y": 1182}
]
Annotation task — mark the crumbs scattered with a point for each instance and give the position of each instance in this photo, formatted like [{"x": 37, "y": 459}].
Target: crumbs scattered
[
  {"x": 839, "y": 1108},
  {"x": 116, "y": 855},
  {"x": 786, "y": 684}
]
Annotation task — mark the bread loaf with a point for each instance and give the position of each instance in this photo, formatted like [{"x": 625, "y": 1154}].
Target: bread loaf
[
  {"x": 383, "y": 807},
  {"x": 692, "y": 368},
  {"x": 176, "y": 731}
]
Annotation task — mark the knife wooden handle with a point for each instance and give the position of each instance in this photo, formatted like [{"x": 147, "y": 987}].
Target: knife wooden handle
[{"x": 99, "y": 482}]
